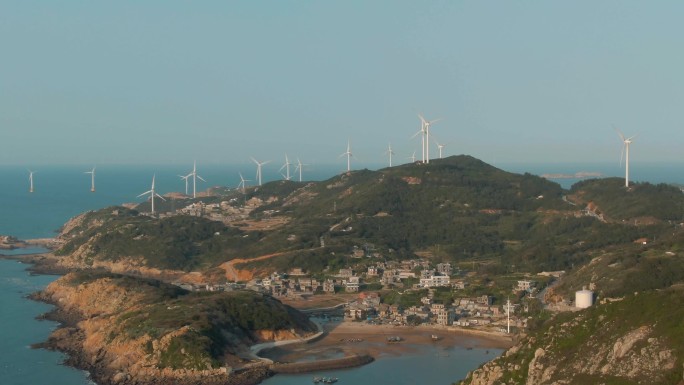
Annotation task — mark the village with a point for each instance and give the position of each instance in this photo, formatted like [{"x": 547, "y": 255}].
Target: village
[{"x": 433, "y": 295}]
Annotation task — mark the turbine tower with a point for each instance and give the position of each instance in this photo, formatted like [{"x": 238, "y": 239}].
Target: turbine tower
[
  {"x": 440, "y": 147},
  {"x": 242, "y": 183},
  {"x": 625, "y": 152},
  {"x": 349, "y": 155},
  {"x": 508, "y": 315},
  {"x": 299, "y": 167},
  {"x": 92, "y": 179},
  {"x": 425, "y": 124},
  {"x": 286, "y": 166},
  {"x": 153, "y": 194},
  {"x": 194, "y": 176},
  {"x": 258, "y": 173},
  {"x": 390, "y": 153},
  {"x": 186, "y": 182},
  {"x": 413, "y": 157},
  {"x": 31, "y": 180}
]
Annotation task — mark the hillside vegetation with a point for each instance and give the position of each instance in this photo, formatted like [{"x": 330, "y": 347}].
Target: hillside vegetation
[
  {"x": 456, "y": 209},
  {"x": 638, "y": 340},
  {"x": 147, "y": 328}
]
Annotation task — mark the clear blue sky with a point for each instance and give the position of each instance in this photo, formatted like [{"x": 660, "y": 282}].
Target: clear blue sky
[{"x": 219, "y": 81}]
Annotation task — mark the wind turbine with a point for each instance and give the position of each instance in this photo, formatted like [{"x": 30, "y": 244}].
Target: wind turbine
[
  {"x": 421, "y": 132},
  {"x": 259, "y": 164},
  {"x": 152, "y": 194},
  {"x": 299, "y": 167},
  {"x": 426, "y": 124},
  {"x": 625, "y": 152},
  {"x": 390, "y": 153},
  {"x": 413, "y": 157},
  {"x": 349, "y": 155},
  {"x": 440, "y": 146},
  {"x": 242, "y": 183},
  {"x": 31, "y": 180},
  {"x": 92, "y": 179},
  {"x": 186, "y": 182},
  {"x": 194, "y": 176},
  {"x": 286, "y": 166}
]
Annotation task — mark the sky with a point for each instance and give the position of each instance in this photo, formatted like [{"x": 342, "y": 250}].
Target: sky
[{"x": 95, "y": 82}]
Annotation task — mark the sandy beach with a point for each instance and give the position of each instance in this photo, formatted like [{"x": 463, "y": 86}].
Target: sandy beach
[{"x": 347, "y": 338}]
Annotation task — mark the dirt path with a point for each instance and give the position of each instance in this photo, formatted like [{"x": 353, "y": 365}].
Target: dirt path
[{"x": 234, "y": 274}]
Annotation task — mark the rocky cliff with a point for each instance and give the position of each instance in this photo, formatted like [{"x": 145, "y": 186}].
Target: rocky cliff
[
  {"x": 132, "y": 331},
  {"x": 638, "y": 340}
]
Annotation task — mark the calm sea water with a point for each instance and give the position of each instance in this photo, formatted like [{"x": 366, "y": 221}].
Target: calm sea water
[{"x": 62, "y": 192}]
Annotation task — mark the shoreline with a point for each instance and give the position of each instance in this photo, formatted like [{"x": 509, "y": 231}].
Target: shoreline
[{"x": 344, "y": 339}]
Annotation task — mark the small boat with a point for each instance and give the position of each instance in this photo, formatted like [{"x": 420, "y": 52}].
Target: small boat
[{"x": 434, "y": 337}]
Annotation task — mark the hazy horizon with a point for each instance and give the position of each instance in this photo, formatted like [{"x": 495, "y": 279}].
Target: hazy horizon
[{"x": 169, "y": 82}]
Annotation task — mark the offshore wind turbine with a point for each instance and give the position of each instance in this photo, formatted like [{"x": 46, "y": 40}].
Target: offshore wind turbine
[
  {"x": 348, "y": 153},
  {"x": 31, "y": 180},
  {"x": 259, "y": 165},
  {"x": 92, "y": 179},
  {"x": 426, "y": 131},
  {"x": 194, "y": 176},
  {"x": 152, "y": 193},
  {"x": 625, "y": 152},
  {"x": 286, "y": 166},
  {"x": 299, "y": 167},
  {"x": 242, "y": 183},
  {"x": 390, "y": 153}
]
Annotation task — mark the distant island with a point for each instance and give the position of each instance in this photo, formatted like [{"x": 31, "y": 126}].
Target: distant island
[{"x": 577, "y": 175}]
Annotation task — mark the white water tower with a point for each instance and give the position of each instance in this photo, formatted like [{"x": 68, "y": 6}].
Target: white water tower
[{"x": 584, "y": 298}]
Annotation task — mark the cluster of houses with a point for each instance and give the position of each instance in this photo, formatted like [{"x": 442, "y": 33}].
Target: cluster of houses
[{"x": 467, "y": 311}]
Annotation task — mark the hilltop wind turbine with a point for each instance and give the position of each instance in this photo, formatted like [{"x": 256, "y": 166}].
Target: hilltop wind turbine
[
  {"x": 242, "y": 183},
  {"x": 625, "y": 152},
  {"x": 421, "y": 132},
  {"x": 92, "y": 179},
  {"x": 31, "y": 180},
  {"x": 286, "y": 166},
  {"x": 390, "y": 153},
  {"x": 413, "y": 157},
  {"x": 186, "y": 182},
  {"x": 348, "y": 153},
  {"x": 425, "y": 124},
  {"x": 152, "y": 194},
  {"x": 194, "y": 176},
  {"x": 299, "y": 167},
  {"x": 259, "y": 164}
]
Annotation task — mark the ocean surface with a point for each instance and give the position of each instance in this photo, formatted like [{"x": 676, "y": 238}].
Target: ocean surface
[{"x": 61, "y": 192}]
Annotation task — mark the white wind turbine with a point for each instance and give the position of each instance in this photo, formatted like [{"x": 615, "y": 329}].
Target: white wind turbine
[
  {"x": 625, "y": 152},
  {"x": 194, "y": 176},
  {"x": 413, "y": 157},
  {"x": 153, "y": 194},
  {"x": 390, "y": 153},
  {"x": 259, "y": 165},
  {"x": 31, "y": 180},
  {"x": 242, "y": 183},
  {"x": 348, "y": 153},
  {"x": 92, "y": 179},
  {"x": 286, "y": 166},
  {"x": 426, "y": 131},
  {"x": 299, "y": 168},
  {"x": 421, "y": 132},
  {"x": 185, "y": 178},
  {"x": 440, "y": 146}
]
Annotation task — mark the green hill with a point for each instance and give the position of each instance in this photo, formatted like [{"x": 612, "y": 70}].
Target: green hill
[{"x": 454, "y": 209}]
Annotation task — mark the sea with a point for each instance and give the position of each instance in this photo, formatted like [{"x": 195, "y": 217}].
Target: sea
[{"x": 63, "y": 191}]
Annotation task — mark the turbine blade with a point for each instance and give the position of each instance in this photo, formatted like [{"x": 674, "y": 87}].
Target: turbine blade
[
  {"x": 200, "y": 178},
  {"x": 145, "y": 193},
  {"x": 622, "y": 154},
  {"x": 160, "y": 197},
  {"x": 619, "y": 133}
]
